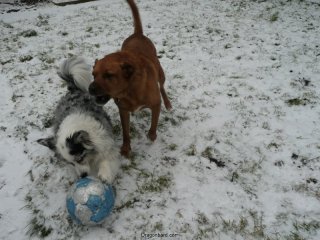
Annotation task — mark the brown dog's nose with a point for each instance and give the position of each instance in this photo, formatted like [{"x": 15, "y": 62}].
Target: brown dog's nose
[{"x": 92, "y": 89}]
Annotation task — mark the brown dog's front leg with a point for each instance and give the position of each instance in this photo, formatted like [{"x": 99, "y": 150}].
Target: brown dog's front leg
[
  {"x": 125, "y": 123},
  {"x": 154, "y": 122}
]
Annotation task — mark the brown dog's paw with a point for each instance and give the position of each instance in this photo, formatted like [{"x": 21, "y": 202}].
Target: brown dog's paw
[
  {"x": 152, "y": 136},
  {"x": 168, "y": 105},
  {"x": 125, "y": 151}
]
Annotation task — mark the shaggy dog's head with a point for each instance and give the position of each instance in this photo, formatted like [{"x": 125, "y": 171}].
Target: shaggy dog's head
[
  {"x": 76, "y": 148},
  {"x": 87, "y": 144},
  {"x": 77, "y": 140}
]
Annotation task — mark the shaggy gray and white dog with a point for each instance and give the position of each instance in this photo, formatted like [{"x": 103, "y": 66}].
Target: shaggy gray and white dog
[{"x": 82, "y": 132}]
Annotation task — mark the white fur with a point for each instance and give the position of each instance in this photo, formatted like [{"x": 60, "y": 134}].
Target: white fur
[
  {"x": 106, "y": 160},
  {"x": 80, "y": 71}
]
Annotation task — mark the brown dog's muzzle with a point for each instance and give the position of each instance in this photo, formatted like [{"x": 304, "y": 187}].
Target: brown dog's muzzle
[
  {"x": 100, "y": 98},
  {"x": 93, "y": 89}
]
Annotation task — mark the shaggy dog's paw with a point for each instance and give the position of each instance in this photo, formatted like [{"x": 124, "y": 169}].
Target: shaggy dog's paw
[
  {"x": 106, "y": 176},
  {"x": 83, "y": 175}
]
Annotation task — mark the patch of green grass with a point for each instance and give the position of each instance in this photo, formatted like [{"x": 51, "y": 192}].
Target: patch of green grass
[
  {"x": 134, "y": 133},
  {"x": 45, "y": 58},
  {"x": 244, "y": 228},
  {"x": 6, "y": 25},
  {"x": 274, "y": 17},
  {"x": 294, "y": 236},
  {"x": 42, "y": 20},
  {"x": 207, "y": 153},
  {"x": 202, "y": 219},
  {"x": 191, "y": 151},
  {"x": 178, "y": 76},
  {"x": 183, "y": 117},
  {"x": 15, "y": 97},
  {"x": 175, "y": 120},
  {"x": 185, "y": 228},
  {"x": 297, "y": 102},
  {"x": 258, "y": 226},
  {"x": 234, "y": 177},
  {"x": 205, "y": 233},
  {"x": 279, "y": 163},
  {"x": 39, "y": 229},
  {"x": 251, "y": 167},
  {"x": 70, "y": 45},
  {"x": 158, "y": 227},
  {"x": 26, "y": 58},
  {"x": 6, "y": 61},
  {"x": 228, "y": 45},
  {"x": 47, "y": 121},
  {"x": 132, "y": 165},
  {"x": 116, "y": 129},
  {"x": 89, "y": 29},
  {"x": 206, "y": 228},
  {"x": 154, "y": 184},
  {"x": 173, "y": 147},
  {"x": 209, "y": 30},
  {"x": 142, "y": 114},
  {"x": 273, "y": 145},
  {"x": 126, "y": 205},
  {"x": 169, "y": 161},
  {"x": 164, "y": 43},
  {"x": 28, "y": 198},
  {"x": 307, "y": 189},
  {"x": 311, "y": 226},
  {"x": 29, "y": 33},
  {"x": 36, "y": 226},
  {"x": 266, "y": 126},
  {"x": 21, "y": 131},
  {"x": 235, "y": 226}
]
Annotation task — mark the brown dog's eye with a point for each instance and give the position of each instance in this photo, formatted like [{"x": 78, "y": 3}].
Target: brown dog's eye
[{"x": 108, "y": 76}]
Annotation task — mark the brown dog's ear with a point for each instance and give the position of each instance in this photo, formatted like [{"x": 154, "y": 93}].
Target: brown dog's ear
[
  {"x": 95, "y": 63},
  {"x": 127, "y": 70}
]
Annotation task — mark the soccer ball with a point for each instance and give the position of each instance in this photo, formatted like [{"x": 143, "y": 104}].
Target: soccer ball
[{"x": 89, "y": 201}]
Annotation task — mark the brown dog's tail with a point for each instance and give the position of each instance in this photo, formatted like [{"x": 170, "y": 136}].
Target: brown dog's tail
[{"x": 136, "y": 17}]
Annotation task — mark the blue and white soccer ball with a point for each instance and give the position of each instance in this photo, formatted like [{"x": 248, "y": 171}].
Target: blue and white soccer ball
[{"x": 89, "y": 201}]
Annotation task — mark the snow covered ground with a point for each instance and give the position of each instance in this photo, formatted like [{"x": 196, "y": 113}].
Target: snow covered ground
[{"x": 237, "y": 158}]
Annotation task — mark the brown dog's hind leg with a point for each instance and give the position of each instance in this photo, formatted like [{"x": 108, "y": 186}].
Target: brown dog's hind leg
[
  {"x": 155, "y": 112},
  {"x": 165, "y": 98},
  {"x": 125, "y": 123},
  {"x": 166, "y": 101}
]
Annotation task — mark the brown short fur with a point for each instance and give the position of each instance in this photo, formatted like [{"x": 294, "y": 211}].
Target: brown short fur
[{"x": 134, "y": 78}]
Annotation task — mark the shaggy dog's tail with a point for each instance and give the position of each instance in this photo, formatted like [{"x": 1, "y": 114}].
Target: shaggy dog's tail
[{"x": 76, "y": 72}]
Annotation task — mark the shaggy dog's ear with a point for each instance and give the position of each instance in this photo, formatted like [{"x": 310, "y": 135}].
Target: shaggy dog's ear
[
  {"x": 127, "y": 70},
  {"x": 82, "y": 137},
  {"x": 47, "y": 142}
]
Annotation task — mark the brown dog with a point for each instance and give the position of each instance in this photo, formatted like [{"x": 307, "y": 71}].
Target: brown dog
[{"x": 134, "y": 78}]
